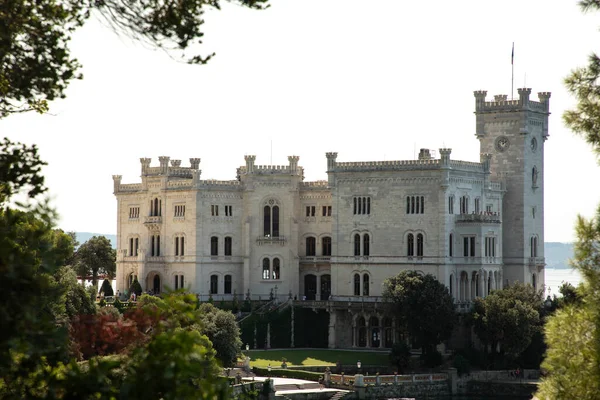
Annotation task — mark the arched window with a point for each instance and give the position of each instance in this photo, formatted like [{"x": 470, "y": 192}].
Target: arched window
[
  {"x": 179, "y": 246},
  {"x": 451, "y": 287},
  {"x": 534, "y": 176},
  {"x": 357, "y": 245},
  {"x": 214, "y": 246},
  {"x": 410, "y": 249},
  {"x": 451, "y": 245},
  {"x": 271, "y": 219},
  {"x": 420, "y": 245},
  {"x": 365, "y": 284},
  {"x": 477, "y": 205},
  {"x": 214, "y": 284},
  {"x": 366, "y": 244},
  {"x": 266, "y": 271},
  {"x": 311, "y": 246},
  {"x": 267, "y": 221},
  {"x": 227, "y": 284},
  {"x": 362, "y": 332},
  {"x": 275, "y": 221},
  {"x": 464, "y": 205},
  {"x": 152, "y": 251},
  {"x": 276, "y": 269},
  {"x": 534, "y": 251},
  {"x": 228, "y": 242},
  {"x": 534, "y": 281},
  {"x": 356, "y": 285},
  {"x": 326, "y": 246},
  {"x": 451, "y": 205}
]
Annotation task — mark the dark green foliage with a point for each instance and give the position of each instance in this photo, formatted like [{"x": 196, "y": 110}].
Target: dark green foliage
[
  {"x": 221, "y": 328},
  {"x": 317, "y": 335},
  {"x": 36, "y": 65},
  {"x": 424, "y": 307},
  {"x": 136, "y": 288},
  {"x": 96, "y": 256},
  {"x": 20, "y": 165},
  {"x": 106, "y": 288},
  {"x": 462, "y": 365},
  {"x": 117, "y": 304},
  {"x": 400, "y": 356},
  {"x": 509, "y": 317},
  {"x": 77, "y": 299},
  {"x": 432, "y": 359}
]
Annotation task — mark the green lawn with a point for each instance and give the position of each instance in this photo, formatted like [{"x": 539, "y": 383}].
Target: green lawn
[{"x": 262, "y": 358}]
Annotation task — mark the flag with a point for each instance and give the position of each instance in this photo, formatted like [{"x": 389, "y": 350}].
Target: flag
[{"x": 512, "y": 55}]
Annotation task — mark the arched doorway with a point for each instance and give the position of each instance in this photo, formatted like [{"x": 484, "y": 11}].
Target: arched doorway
[
  {"x": 325, "y": 286},
  {"x": 310, "y": 287},
  {"x": 375, "y": 332},
  {"x": 156, "y": 284}
]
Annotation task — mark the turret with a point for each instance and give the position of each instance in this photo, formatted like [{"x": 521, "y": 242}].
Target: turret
[
  {"x": 164, "y": 164},
  {"x": 293, "y": 160},
  {"x": 445, "y": 156},
  {"x": 176, "y": 163},
  {"x": 250, "y": 163},
  {"x": 194, "y": 163},
  {"x": 145, "y": 164},
  {"x": 116, "y": 183}
]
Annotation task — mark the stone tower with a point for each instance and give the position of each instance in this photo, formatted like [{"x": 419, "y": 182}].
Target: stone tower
[{"x": 514, "y": 132}]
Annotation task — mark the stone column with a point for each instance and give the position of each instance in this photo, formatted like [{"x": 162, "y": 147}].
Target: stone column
[
  {"x": 318, "y": 294},
  {"x": 468, "y": 287},
  {"x": 332, "y": 323}
]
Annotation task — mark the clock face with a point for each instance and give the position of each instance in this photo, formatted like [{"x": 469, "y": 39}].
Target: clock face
[
  {"x": 533, "y": 144},
  {"x": 502, "y": 143}
]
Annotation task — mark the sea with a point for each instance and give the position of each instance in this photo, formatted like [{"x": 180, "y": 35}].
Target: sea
[{"x": 554, "y": 278}]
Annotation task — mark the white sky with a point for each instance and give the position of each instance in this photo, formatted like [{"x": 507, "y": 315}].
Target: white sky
[{"x": 371, "y": 80}]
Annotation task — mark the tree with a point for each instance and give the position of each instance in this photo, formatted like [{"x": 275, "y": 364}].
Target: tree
[
  {"x": 221, "y": 328},
  {"x": 425, "y": 307},
  {"x": 573, "y": 333},
  {"x": 76, "y": 299},
  {"x": 508, "y": 319},
  {"x": 36, "y": 65},
  {"x": 106, "y": 288},
  {"x": 96, "y": 256},
  {"x": 135, "y": 288}
]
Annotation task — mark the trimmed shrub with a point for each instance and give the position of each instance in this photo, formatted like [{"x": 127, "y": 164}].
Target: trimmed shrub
[
  {"x": 106, "y": 288},
  {"x": 136, "y": 288},
  {"x": 462, "y": 365},
  {"x": 432, "y": 359}
]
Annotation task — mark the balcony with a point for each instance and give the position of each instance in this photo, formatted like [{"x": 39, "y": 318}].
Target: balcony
[
  {"x": 153, "y": 222},
  {"x": 155, "y": 259},
  {"x": 481, "y": 218},
  {"x": 280, "y": 240},
  {"x": 537, "y": 261},
  {"x": 315, "y": 259}
]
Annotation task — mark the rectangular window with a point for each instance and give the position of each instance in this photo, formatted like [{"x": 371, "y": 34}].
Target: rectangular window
[
  {"x": 469, "y": 246},
  {"x": 415, "y": 204},
  {"x": 490, "y": 247},
  {"x": 214, "y": 246},
  {"x": 228, "y": 245},
  {"x": 214, "y": 210},
  {"x": 327, "y": 211},
  {"x": 362, "y": 205},
  {"x": 179, "y": 210},
  {"x": 136, "y": 246},
  {"x": 130, "y": 246},
  {"x": 451, "y": 205},
  {"x": 311, "y": 211},
  {"x": 229, "y": 211},
  {"x": 326, "y": 246},
  {"x": 176, "y": 247},
  {"x": 134, "y": 212},
  {"x": 488, "y": 208}
]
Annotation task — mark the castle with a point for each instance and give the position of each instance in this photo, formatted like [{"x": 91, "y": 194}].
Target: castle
[{"x": 475, "y": 226}]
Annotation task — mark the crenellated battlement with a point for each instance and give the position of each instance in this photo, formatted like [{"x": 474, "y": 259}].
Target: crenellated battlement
[
  {"x": 173, "y": 170},
  {"x": 211, "y": 183},
  {"x": 314, "y": 185},
  {"x": 501, "y": 102},
  {"x": 252, "y": 169}
]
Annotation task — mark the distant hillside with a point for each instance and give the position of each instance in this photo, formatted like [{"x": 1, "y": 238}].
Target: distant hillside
[
  {"x": 83, "y": 237},
  {"x": 558, "y": 254}
]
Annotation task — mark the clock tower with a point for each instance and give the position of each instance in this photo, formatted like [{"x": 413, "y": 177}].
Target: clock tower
[{"x": 514, "y": 133}]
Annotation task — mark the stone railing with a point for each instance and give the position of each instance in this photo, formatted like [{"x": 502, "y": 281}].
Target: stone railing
[
  {"x": 537, "y": 261},
  {"x": 153, "y": 220},
  {"x": 485, "y": 217},
  {"x": 130, "y": 187},
  {"x": 467, "y": 165},
  {"x": 314, "y": 185},
  {"x": 315, "y": 259},
  {"x": 386, "y": 165},
  {"x": 281, "y": 240}
]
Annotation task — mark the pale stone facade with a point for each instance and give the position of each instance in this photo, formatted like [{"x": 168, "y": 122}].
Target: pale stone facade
[{"x": 474, "y": 226}]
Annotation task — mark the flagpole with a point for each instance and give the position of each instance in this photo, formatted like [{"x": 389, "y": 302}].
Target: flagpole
[{"x": 512, "y": 65}]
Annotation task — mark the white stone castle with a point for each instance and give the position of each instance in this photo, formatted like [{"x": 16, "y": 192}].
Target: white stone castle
[{"x": 269, "y": 234}]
